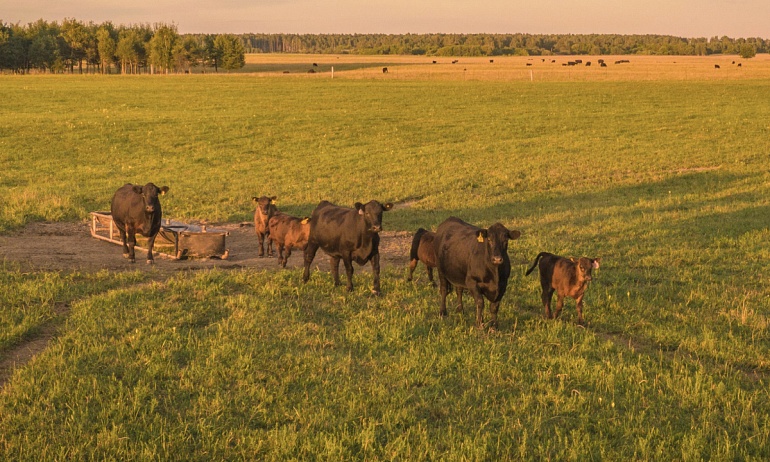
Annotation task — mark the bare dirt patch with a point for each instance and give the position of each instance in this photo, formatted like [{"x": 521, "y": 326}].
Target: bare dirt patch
[{"x": 70, "y": 247}]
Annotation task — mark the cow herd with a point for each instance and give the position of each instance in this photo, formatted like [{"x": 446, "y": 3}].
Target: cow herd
[{"x": 468, "y": 258}]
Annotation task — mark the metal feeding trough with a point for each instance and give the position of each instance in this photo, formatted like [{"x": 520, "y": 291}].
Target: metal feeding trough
[{"x": 175, "y": 239}]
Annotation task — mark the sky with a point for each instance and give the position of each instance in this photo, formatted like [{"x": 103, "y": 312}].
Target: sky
[{"x": 682, "y": 18}]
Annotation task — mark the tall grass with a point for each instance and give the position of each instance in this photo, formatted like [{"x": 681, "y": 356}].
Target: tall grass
[{"x": 667, "y": 181}]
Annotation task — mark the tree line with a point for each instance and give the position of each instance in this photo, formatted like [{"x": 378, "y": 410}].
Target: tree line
[
  {"x": 502, "y": 44},
  {"x": 73, "y": 46}
]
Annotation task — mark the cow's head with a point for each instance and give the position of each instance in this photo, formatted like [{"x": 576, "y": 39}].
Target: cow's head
[
  {"x": 584, "y": 266},
  {"x": 372, "y": 214},
  {"x": 496, "y": 239},
  {"x": 263, "y": 204},
  {"x": 150, "y": 193}
]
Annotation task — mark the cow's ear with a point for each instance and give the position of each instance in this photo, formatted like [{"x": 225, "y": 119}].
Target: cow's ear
[
  {"x": 515, "y": 234},
  {"x": 595, "y": 262},
  {"x": 387, "y": 206},
  {"x": 255, "y": 198},
  {"x": 360, "y": 207},
  {"x": 137, "y": 189},
  {"x": 274, "y": 198},
  {"x": 481, "y": 235},
  {"x": 163, "y": 190}
]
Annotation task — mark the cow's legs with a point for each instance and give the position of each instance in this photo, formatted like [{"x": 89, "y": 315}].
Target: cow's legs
[
  {"x": 123, "y": 239},
  {"x": 261, "y": 239},
  {"x": 547, "y": 296},
  {"x": 559, "y": 305},
  {"x": 269, "y": 244},
  {"x": 375, "y": 273},
  {"x": 150, "y": 244},
  {"x": 131, "y": 245},
  {"x": 309, "y": 255},
  {"x": 430, "y": 275},
  {"x": 443, "y": 285},
  {"x": 493, "y": 308},
  {"x": 335, "y": 264},
  {"x": 459, "y": 292},
  {"x": 479, "y": 308},
  {"x": 412, "y": 266},
  {"x": 579, "y": 306},
  {"x": 348, "y": 272},
  {"x": 286, "y": 257}
]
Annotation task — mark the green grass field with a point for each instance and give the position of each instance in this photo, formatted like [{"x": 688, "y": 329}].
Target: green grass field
[{"x": 667, "y": 181}]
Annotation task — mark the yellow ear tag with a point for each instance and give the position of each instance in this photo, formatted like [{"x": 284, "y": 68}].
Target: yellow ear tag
[
  {"x": 480, "y": 238},
  {"x": 305, "y": 220}
]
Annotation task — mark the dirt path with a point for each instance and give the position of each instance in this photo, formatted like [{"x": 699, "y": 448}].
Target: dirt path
[{"x": 69, "y": 247}]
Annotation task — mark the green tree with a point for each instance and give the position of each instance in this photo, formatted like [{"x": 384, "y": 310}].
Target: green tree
[
  {"x": 748, "y": 51},
  {"x": 107, "y": 47},
  {"x": 161, "y": 47},
  {"x": 75, "y": 35},
  {"x": 231, "y": 52}
]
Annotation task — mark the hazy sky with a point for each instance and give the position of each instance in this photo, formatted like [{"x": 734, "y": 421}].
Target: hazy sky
[{"x": 685, "y": 18}]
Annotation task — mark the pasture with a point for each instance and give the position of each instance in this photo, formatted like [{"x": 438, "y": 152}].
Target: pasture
[{"x": 665, "y": 178}]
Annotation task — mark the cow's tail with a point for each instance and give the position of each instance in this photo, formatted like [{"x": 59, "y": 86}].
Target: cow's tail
[
  {"x": 416, "y": 243},
  {"x": 537, "y": 259}
]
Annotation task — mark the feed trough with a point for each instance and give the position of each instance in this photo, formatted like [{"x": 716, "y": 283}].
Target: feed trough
[{"x": 175, "y": 240}]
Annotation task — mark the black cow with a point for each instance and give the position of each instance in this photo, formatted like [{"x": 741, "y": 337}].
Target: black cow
[
  {"x": 137, "y": 209},
  {"x": 567, "y": 277},
  {"x": 423, "y": 249},
  {"x": 265, "y": 210},
  {"x": 476, "y": 260},
  {"x": 349, "y": 235},
  {"x": 384, "y": 70},
  {"x": 716, "y": 66}
]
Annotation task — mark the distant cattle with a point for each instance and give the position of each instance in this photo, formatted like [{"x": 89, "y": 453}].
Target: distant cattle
[
  {"x": 311, "y": 71},
  {"x": 622, "y": 61},
  {"x": 600, "y": 61},
  {"x": 567, "y": 277},
  {"x": 578, "y": 61},
  {"x": 473, "y": 259},
  {"x": 423, "y": 250},
  {"x": 384, "y": 70},
  {"x": 733, "y": 62},
  {"x": 529, "y": 64},
  {"x": 455, "y": 61},
  {"x": 315, "y": 64},
  {"x": 739, "y": 64},
  {"x": 265, "y": 210},
  {"x": 553, "y": 61},
  {"x": 434, "y": 61},
  {"x": 288, "y": 233},
  {"x": 491, "y": 61},
  {"x": 350, "y": 235},
  {"x": 136, "y": 209},
  {"x": 588, "y": 63},
  {"x": 571, "y": 63},
  {"x": 603, "y": 65},
  {"x": 716, "y": 66}
]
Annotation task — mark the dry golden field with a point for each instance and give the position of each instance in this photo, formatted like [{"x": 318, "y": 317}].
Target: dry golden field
[{"x": 513, "y": 68}]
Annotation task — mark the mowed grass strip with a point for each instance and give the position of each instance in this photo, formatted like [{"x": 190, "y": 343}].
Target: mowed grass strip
[
  {"x": 241, "y": 364},
  {"x": 667, "y": 181}
]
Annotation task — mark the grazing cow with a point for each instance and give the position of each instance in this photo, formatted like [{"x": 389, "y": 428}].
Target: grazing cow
[
  {"x": 136, "y": 209},
  {"x": 265, "y": 210},
  {"x": 423, "y": 250},
  {"x": 434, "y": 61},
  {"x": 588, "y": 63},
  {"x": 571, "y": 63},
  {"x": 491, "y": 61},
  {"x": 529, "y": 64},
  {"x": 603, "y": 65},
  {"x": 568, "y": 277},
  {"x": 473, "y": 259},
  {"x": 288, "y": 233},
  {"x": 578, "y": 61},
  {"x": 739, "y": 64},
  {"x": 600, "y": 61},
  {"x": 716, "y": 66},
  {"x": 384, "y": 70},
  {"x": 349, "y": 235},
  {"x": 315, "y": 64}
]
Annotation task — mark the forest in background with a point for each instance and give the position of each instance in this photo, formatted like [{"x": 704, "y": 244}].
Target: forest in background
[{"x": 75, "y": 46}]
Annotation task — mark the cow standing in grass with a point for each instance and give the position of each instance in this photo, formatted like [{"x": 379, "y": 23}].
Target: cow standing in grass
[
  {"x": 350, "y": 235},
  {"x": 423, "y": 250},
  {"x": 265, "y": 210},
  {"x": 136, "y": 209},
  {"x": 567, "y": 277},
  {"x": 288, "y": 233},
  {"x": 473, "y": 259}
]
